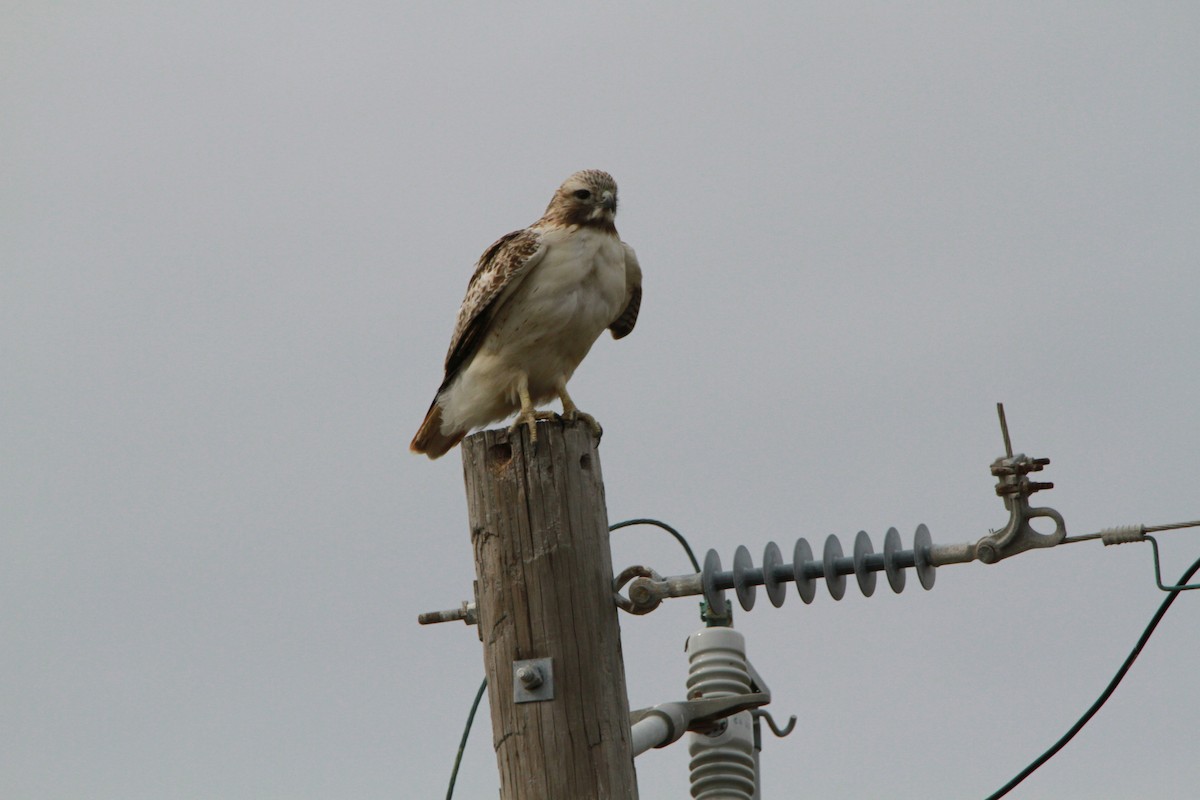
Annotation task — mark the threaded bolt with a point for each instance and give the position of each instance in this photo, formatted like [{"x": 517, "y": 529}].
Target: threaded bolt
[{"x": 530, "y": 676}]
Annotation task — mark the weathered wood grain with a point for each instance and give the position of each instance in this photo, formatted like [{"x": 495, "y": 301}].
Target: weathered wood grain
[{"x": 539, "y": 528}]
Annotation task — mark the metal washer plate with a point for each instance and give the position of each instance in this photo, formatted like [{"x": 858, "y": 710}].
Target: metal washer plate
[{"x": 543, "y": 691}]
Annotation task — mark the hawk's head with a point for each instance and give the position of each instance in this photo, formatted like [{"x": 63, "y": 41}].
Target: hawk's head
[{"x": 588, "y": 198}]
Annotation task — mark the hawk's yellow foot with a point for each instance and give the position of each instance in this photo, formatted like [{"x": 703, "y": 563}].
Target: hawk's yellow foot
[
  {"x": 530, "y": 418},
  {"x": 528, "y": 415},
  {"x": 588, "y": 419},
  {"x": 571, "y": 412}
]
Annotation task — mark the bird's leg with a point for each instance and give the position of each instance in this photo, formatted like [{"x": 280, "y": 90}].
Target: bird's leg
[
  {"x": 528, "y": 415},
  {"x": 572, "y": 412}
]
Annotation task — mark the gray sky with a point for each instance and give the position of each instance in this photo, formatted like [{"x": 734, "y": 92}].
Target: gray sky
[{"x": 234, "y": 237}]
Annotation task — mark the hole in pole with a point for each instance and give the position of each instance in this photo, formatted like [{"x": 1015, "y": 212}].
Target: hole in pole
[{"x": 500, "y": 455}]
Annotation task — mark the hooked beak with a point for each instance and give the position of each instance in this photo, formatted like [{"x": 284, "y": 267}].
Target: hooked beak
[{"x": 608, "y": 201}]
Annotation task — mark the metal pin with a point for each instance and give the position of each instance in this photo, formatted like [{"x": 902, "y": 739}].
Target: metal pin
[{"x": 1004, "y": 429}]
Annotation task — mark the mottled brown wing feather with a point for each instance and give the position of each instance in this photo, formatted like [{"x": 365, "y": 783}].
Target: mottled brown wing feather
[
  {"x": 499, "y": 270},
  {"x": 622, "y": 326}
]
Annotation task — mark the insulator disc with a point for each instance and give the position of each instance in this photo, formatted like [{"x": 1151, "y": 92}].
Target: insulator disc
[
  {"x": 926, "y": 572},
  {"x": 801, "y": 555},
  {"x": 742, "y": 562},
  {"x": 776, "y": 591},
  {"x": 708, "y": 579},
  {"x": 835, "y": 582},
  {"x": 862, "y": 549},
  {"x": 895, "y": 574}
]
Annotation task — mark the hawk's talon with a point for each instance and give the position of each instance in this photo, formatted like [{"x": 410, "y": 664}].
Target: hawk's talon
[
  {"x": 530, "y": 420},
  {"x": 587, "y": 419}
]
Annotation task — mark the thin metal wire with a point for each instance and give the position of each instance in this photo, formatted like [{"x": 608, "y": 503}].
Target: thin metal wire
[
  {"x": 659, "y": 523},
  {"x": 1173, "y": 592},
  {"x": 1108, "y": 690},
  {"x": 1173, "y": 526},
  {"x": 1087, "y": 537},
  {"x": 463, "y": 744}
]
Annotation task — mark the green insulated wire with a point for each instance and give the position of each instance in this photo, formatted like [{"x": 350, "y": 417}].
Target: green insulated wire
[
  {"x": 463, "y": 744},
  {"x": 1091, "y": 712},
  {"x": 660, "y": 524}
]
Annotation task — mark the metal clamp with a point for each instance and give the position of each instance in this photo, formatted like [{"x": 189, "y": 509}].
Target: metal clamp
[{"x": 1015, "y": 487}]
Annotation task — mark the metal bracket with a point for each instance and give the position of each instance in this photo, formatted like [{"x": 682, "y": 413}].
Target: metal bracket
[
  {"x": 533, "y": 680},
  {"x": 706, "y": 714},
  {"x": 1178, "y": 587},
  {"x": 1015, "y": 487},
  {"x": 699, "y": 715}
]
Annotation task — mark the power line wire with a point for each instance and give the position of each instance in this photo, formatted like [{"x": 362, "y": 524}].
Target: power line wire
[
  {"x": 659, "y": 523},
  {"x": 1012, "y": 784},
  {"x": 463, "y": 744},
  {"x": 1112, "y": 685}
]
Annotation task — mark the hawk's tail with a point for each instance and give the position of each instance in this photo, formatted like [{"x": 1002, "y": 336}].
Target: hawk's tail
[{"x": 429, "y": 439}]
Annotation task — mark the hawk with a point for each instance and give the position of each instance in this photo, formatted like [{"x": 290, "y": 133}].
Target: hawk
[{"x": 539, "y": 299}]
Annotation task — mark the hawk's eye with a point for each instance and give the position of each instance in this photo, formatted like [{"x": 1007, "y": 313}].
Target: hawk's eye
[{"x": 583, "y": 194}]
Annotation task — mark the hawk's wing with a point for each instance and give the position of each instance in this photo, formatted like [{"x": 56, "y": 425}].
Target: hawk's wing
[
  {"x": 499, "y": 272},
  {"x": 623, "y": 324}
]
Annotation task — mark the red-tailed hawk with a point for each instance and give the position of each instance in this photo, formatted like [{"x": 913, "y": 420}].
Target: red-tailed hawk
[{"x": 539, "y": 299}]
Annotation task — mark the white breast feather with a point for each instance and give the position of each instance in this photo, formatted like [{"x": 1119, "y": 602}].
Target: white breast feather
[{"x": 545, "y": 329}]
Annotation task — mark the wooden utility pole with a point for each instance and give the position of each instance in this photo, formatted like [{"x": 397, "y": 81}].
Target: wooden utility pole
[{"x": 539, "y": 528}]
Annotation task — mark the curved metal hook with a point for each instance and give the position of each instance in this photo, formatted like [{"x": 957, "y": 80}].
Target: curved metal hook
[
  {"x": 775, "y": 729},
  {"x": 644, "y": 603}
]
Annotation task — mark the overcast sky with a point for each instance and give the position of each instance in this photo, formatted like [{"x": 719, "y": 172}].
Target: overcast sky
[{"x": 233, "y": 238}]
